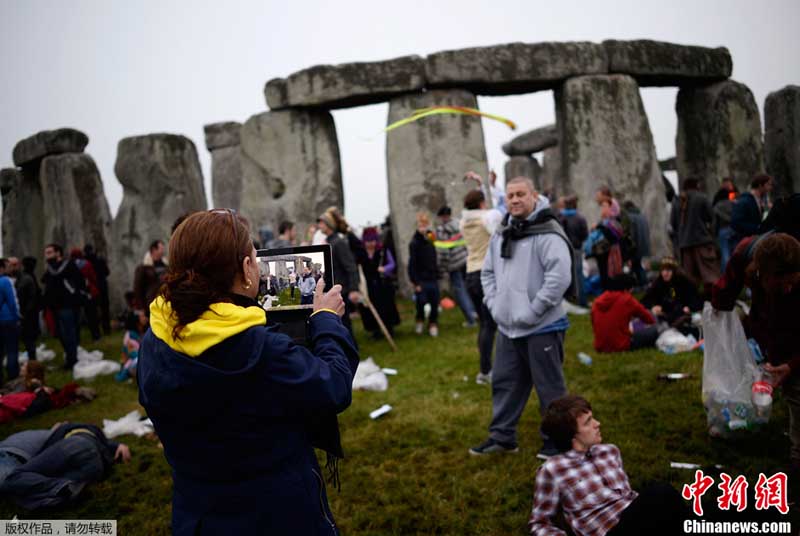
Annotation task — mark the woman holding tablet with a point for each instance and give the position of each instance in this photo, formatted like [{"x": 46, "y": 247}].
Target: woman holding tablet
[{"x": 232, "y": 399}]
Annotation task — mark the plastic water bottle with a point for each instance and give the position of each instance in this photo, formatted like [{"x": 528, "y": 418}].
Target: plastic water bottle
[
  {"x": 585, "y": 359},
  {"x": 762, "y": 396}
]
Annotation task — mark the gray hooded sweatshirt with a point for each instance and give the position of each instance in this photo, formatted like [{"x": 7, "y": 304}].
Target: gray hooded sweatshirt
[{"x": 524, "y": 293}]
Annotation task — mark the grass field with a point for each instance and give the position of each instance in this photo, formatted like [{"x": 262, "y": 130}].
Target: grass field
[{"x": 409, "y": 472}]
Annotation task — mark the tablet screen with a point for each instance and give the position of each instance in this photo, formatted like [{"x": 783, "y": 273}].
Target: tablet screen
[{"x": 288, "y": 277}]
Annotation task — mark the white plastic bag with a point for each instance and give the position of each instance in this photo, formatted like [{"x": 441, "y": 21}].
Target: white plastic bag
[
  {"x": 129, "y": 424},
  {"x": 673, "y": 341},
  {"x": 728, "y": 373},
  {"x": 89, "y": 369},
  {"x": 370, "y": 377}
]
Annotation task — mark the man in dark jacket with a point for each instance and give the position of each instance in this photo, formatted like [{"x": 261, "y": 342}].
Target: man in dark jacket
[
  {"x": 28, "y": 296},
  {"x": 691, "y": 222},
  {"x": 748, "y": 210},
  {"x": 577, "y": 231},
  {"x": 101, "y": 271},
  {"x": 423, "y": 272},
  {"x": 148, "y": 277},
  {"x": 639, "y": 232},
  {"x": 64, "y": 292}
]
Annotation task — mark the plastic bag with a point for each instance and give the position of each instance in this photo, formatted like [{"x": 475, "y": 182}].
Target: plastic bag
[
  {"x": 370, "y": 377},
  {"x": 131, "y": 423},
  {"x": 673, "y": 341},
  {"x": 728, "y": 373}
]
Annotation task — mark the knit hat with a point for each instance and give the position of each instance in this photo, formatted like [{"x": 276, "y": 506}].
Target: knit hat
[{"x": 370, "y": 234}]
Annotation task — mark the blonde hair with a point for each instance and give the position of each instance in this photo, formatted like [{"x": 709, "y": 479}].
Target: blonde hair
[{"x": 423, "y": 219}]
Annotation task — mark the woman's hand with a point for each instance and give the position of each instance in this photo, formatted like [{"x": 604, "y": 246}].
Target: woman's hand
[
  {"x": 779, "y": 373},
  {"x": 328, "y": 300},
  {"x": 123, "y": 453}
]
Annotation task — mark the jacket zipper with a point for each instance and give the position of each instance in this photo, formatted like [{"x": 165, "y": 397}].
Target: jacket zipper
[{"x": 322, "y": 501}]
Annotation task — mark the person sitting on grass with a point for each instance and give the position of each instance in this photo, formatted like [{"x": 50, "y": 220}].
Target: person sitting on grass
[
  {"x": 134, "y": 330},
  {"x": 672, "y": 298},
  {"x": 612, "y": 314},
  {"x": 586, "y": 481}
]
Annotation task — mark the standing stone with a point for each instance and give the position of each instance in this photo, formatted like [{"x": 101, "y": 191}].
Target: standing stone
[
  {"x": 719, "y": 135},
  {"x": 551, "y": 178},
  {"x": 161, "y": 180},
  {"x": 222, "y": 140},
  {"x": 532, "y": 141},
  {"x": 782, "y": 138},
  {"x": 291, "y": 168},
  {"x": 523, "y": 166},
  {"x": 23, "y": 225},
  {"x": 606, "y": 140},
  {"x": 426, "y": 161},
  {"x": 75, "y": 210}
]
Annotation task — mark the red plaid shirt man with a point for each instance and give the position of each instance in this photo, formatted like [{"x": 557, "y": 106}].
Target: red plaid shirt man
[{"x": 591, "y": 487}]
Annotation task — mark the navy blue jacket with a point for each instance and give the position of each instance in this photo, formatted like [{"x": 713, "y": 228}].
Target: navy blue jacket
[
  {"x": 746, "y": 215},
  {"x": 233, "y": 424}
]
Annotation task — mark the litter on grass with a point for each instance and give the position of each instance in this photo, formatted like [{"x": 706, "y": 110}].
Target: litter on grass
[
  {"x": 381, "y": 411},
  {"x": 132, "y": 423},
  {"x": 370, "y": 377}
]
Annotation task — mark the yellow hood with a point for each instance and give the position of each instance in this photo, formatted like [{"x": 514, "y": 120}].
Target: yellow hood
[{"x": 221, "y": 321}]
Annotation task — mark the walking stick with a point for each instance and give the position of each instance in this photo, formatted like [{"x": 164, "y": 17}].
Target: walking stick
[{"x": 362, "y": 288}]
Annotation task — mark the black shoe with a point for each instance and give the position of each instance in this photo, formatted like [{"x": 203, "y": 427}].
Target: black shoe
[{"x": 490, "y": 446}]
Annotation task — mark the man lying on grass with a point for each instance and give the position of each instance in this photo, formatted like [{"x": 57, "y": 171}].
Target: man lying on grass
[{"x": 587, "y": 482}]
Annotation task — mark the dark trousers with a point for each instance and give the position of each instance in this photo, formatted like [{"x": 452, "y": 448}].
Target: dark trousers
[
  {"x": 92, "y": 319},
  {"x": 488, "y": 327},
  {"x": 67, "y": 330},
  {"x": 659, "y": 509},
  {"x": 105, "y": 311},
  {"x": 306, "y": 299},
  {"x": 429, "y": 293},
  {"x": 644, "y": 338},
  {"x": 9, "y": 348}
]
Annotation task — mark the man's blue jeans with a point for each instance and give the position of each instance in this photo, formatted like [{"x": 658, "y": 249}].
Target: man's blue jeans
[
  {"x": 462, "y": 296},
  {"x": 9, "y": 336},
  {"x": 67, "y": 327}
]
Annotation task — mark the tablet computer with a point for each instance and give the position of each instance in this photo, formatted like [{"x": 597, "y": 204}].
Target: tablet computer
[{"x": 288, "y": 278}]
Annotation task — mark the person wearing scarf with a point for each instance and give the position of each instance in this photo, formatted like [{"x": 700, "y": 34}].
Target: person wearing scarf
[
  {"x": 237, "y": 405},
  {"x": 528, "y": 269}
]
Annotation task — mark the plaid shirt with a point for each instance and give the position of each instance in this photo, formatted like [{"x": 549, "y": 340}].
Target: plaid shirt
[{"x": 591, "y": 488}]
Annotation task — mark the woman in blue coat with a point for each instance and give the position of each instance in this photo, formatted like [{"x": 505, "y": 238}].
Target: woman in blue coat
[{"x": 235, "y": 403}]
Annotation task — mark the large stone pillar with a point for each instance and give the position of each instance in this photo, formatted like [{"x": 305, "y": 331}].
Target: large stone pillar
[
  {"x": 23, "y": 224},
  {"x": 782, "y": 138},
  {"x": 523, "y": 166},
  {"x": 426, "y": 161},
  {"x": 75, "y": 208},
  {"x": 222, "y": 141},
  {"x": 719, "y": 135},
  {"x": 605, "y": 139},
  {"x": 551, "y": 178},
  {"x": 291, "y": 168},
  {"x": 161, "y": 180}
]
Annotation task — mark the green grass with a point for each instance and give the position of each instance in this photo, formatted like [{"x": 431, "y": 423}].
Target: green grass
[{"x": 409, "y": 472}]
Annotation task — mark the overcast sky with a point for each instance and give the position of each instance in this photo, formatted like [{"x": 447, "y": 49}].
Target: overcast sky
[{"x": 115, "y": 69}]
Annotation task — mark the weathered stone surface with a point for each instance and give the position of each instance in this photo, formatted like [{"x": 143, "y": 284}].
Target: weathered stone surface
[
  {"x": 551, "y": 178},
  {"x": 349, "y": 84},
  {"x": 219, "y": 135},
  {"x": 75, "y": 210},
  {"x": 655, "y": 63},
  {"x": 290, "y": 167},
  {"x": 426, "y": 161},
  {"x": 48, "y": 142},
  {"x": 782, "y": 138},
  {"x": 23, "y": 225},
  {"x": 719, "y": 135},
  {"x": 226, "y": 177},
  {"x": 523, "y": 166},
  {"x": 514, "y": 67},
  {"x": 606, "y": 140},
  {"x": 161, "y": 180},
  {"x": 532, "y": 141}
]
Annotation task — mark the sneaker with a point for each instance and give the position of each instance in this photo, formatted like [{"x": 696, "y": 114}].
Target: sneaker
[
  {"x": 547, "y": 451},
  {"x": 469, "y": 324},
  {"x": 484, "y": 379},
  {"x": 490, "y": 446},
  {"x": 434, "y": 330},
  {"x": 419, "y": 327}
]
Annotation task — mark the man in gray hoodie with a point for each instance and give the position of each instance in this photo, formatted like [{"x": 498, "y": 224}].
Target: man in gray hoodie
[{"x": 527, "y": 271}]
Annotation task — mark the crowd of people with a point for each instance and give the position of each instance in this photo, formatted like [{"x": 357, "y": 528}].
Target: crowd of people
[{"x": 510, "y": 262}]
